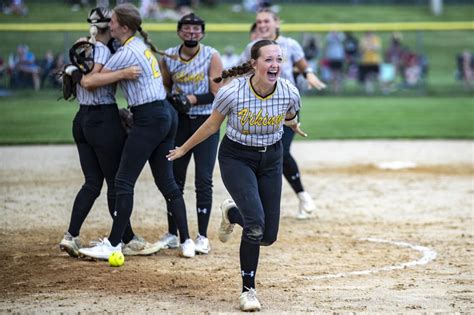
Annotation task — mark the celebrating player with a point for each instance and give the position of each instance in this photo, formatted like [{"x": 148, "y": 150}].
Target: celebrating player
[
  {"x": 150, "y": 138},
  {"x": 99, "y": 138},
  {"x": 190, "y": 77},
  {"x": 250, "y": 155},
  {"x": 267, "y": 27}
]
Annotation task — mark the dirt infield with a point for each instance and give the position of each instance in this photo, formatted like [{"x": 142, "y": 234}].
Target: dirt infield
[{"x": 419, "y": 220}]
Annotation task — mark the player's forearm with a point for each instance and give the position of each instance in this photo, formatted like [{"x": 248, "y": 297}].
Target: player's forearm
[
  {"x": 92, "y": 81},
  {"x": 207, "y": 129}
]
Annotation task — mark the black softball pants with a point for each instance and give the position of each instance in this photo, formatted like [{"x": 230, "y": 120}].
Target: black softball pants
[
  {"x": 290, "y": 168},
  {"x": 204, "y": 161},
  {"x": 150, "y": 139},
  {"x": 99, "y": 138}
]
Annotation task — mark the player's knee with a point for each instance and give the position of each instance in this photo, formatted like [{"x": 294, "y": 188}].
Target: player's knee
[
  {"x": 123, "y": 186},
  {"x": 175, "y": 194},
  {"x": 253, "y": 234},
  {"x": 268, "y": 240},
  {"x": 93, "y": 187}
]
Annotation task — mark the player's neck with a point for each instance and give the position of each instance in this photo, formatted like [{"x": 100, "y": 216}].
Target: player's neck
[
  {"x": 261, "y": 86},
  {"x": 188, "y": 52}
]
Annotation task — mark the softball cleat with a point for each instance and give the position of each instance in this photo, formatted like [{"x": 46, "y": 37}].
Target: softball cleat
[
  {"x": 70, "y": 245},
  {"x": 226, "y": 228}
]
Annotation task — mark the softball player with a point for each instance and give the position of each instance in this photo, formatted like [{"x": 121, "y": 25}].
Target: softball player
[
  {"x": 99, "y": 138},
  {"x": 251, "y": 154},
  {"x": 152, "y": 134},
  {"x": 267, "y": 27},
  {"x": 191, "y": 75}
]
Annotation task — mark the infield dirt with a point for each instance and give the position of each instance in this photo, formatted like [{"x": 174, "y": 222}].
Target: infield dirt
[{"x": 430, "y": 205}]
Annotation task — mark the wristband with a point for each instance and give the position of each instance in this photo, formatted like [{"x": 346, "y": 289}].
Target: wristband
[
  {"x": 204, "y": 99},
  {"x": 308, "y": 70},
  {"x": 291, "y": 122}
]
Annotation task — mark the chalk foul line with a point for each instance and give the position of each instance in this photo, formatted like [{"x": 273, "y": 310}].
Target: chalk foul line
[{"x": 428, "y": 255}]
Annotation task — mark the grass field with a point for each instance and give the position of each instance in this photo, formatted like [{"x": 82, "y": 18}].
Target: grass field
[
  {"x": 36, "y": 118},
  {"x": 441, "y": 110}
]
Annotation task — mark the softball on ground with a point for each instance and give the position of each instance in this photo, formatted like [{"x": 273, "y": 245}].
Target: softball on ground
[{"x": 116, "y": 259}]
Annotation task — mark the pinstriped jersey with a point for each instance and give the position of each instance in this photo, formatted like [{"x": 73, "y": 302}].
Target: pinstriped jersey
[
  {"x": 101, "y": 95},
  {"x": 291, "y": 50},
  {"x": 191, "y": 76},
  {"x": 149, "y": 85},
  {"x": 252, "y": 119}
]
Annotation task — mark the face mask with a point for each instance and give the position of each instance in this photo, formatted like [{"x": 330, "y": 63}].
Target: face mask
[{"x": 191, "y": 43}]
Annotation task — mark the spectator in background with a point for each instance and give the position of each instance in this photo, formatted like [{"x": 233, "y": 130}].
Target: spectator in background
[
  {"x": 3, "y": 70},
  {"x": 46, "y": 65},
  {"x": 24, "y": 69},
  {"x": 335, "y": 54},
  {"x": 311, "y": 49},
  {"x": 395, "y": 51},
  {"x": 465, "y": 65},
  {"x": 229, "y": 58},
  {"x": 153, "y": 10},
  {"x": 351, "y": 50},
  {"x": 52, "y": 75},
  {"x": 17, "y": 7},
  {"x": 370, "y": 49}
]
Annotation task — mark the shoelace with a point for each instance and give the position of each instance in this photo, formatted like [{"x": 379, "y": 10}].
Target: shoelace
[
  {"x": 251, "y": 293},
  {"x": 99, "y": 242}
]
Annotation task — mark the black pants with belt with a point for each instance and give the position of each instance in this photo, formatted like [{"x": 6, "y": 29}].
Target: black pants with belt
[
  {"x": 204, "y": 161},
  {"x": 99, "y": 138},
  {"x": 150, "y": 139}
]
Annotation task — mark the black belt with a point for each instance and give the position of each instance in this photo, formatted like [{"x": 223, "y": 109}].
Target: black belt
[
  {"x": 146, "y": 105},
  {"x": 97, "y": 107},
  {"x": 251, "y": 148}
]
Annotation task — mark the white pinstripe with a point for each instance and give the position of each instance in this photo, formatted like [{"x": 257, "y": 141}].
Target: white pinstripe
[
  {"x": 149, "y": 85},
  {"x": 253, "y": 120},
  {"x": 191, "y": 76},
  {"x": 101, "y": 95}
]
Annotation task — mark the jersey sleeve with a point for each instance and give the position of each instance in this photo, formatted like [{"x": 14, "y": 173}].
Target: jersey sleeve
[
  {"x": 296, "y": 51},
  {"x": 225, "y": 99},
  {"x": 295, "y": 100},
  {"x": 101, "y": 54}
]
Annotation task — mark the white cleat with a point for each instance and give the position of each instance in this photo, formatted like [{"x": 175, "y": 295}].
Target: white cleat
[
  {"x": 188, "y": 249},
  {"x": 306, "y": 202},
  {"x": 102, "y": 250},
  {"x": 226, "y": 228},
  {"x": 139, "y": 247},
  {"x": 249, "y": 301},
  {"x": 70, "y": 244},
  {"x": 202, "y": 245},
  {"x": 168, "y": 240}
]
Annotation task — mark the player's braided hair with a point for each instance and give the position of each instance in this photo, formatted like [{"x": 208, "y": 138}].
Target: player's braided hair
[
  {"x": 246, "y": 67},
  {"x": 127, "y": 14}
]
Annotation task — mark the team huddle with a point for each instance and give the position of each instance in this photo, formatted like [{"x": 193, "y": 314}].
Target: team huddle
[{"x": 176, "y": 107}]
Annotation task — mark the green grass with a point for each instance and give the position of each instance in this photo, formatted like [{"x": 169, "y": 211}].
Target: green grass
[
  {"x": 388, "y": 117},
  {"x": 445, "y": 110},
  {"x": 37, "y": 118}
]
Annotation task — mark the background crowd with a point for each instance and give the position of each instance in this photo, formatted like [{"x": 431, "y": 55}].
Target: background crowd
[{"x": 339, "y": 58}]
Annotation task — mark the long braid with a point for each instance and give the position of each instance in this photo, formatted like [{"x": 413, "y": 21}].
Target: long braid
[
  {"x": 153, "y": 47},
  {"x": 239, "y": 70},
  {"x": 127, "y": 14}
]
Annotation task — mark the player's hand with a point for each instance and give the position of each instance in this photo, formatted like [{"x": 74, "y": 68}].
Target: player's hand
[
  {"x": 175, "y": 153},
  {"x": 314, "y": 82},
  {"x": 131, "y": 73},
  {"x": 296, "y": 128}
]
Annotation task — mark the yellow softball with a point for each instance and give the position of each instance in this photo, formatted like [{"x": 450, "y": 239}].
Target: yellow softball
[{"x": 116, "y": 259}]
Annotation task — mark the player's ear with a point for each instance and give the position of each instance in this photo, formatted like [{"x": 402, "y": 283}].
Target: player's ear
[{"x": 253, "y": 63}]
